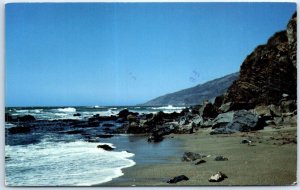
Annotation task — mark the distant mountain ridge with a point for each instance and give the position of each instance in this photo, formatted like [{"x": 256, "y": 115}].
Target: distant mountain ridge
[{"x": 195, "y": 95}]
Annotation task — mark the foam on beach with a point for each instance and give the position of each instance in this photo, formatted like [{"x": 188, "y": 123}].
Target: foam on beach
[{"x": 62, "y": 164}]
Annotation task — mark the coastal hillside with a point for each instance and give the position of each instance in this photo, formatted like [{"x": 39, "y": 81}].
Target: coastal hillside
[
  {"x": 196, "y": 94},
  {"x": 270, "y": 71}
]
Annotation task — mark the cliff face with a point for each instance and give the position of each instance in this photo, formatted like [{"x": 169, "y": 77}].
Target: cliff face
[{"x": 269, "y": 71}]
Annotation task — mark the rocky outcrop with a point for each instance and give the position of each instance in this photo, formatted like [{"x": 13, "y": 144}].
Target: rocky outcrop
[
  {"x": 178, "y": 179},
  {"x": 269, "y": 71}
]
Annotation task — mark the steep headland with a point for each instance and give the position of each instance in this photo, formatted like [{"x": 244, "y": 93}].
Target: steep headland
[{"x": 195, "y": 95}]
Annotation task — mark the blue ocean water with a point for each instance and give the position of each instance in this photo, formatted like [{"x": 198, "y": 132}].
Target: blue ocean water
[{"x": 52, "y": 158}]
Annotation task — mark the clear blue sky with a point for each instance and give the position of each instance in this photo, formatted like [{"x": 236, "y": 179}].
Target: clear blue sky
[{"x": 128, "y": 53}]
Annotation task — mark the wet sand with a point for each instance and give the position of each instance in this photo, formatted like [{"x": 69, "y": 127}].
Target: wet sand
[{"x": 271, "y": 159}]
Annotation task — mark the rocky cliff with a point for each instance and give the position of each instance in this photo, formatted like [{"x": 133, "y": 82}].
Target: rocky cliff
[{"x": 269, "y": 72}]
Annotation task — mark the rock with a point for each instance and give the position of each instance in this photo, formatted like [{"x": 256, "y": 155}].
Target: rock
[
  {"x": 262, "y": 110},
  {"x": 131, "y": 118},
  {"x": 225, "y": 107},
  {"x": 219, "y": 100},
  {"x": 195, "y": 109},
  {"x": 220, "y": 158},
  {"x": 200, "y": 162},
  {"x": 246, "y": 141},
  {"x": 105, "y": 147},
  {"x": 166, "y": 129},
  {"x": 26, "y": 118},
  {"x": 191, "y": 156},
  {"x": 224, "y": 130},
  {"x": 244, "y": 121},
  {"x": 269, "y": 71},
  {"x": 275, "y": 110},
  {"x": 208, "y": 110},
  {"x": 19, "y": 129},
  {"x": 288, "y": 106},
  {"x": 197, "y": 120},
  {"x": 183, "y": 120},
  {"x": 207, "y": 123},
  {"x": 8, "y": 117},
  {"x": 178, "y": 179},
  {"x": 219, "y": 176},
  {"x": 222, "y": 120},
  {"x": 123, "y": 113},
  {"x": 75, "y": 132},
  {"x": 77, "y": 114},
  {"x": 104, "y": 136},
  {"x": 107, "y": 125}
]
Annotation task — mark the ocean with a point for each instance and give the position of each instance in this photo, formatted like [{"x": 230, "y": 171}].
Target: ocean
[{"x": 51, "y": 157}]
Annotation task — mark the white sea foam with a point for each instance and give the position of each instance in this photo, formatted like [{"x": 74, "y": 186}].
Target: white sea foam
[
  {"x": 70, "y": 109},
  {"x": 169, "y": 107},
  {"x": 63, "y": 164}
]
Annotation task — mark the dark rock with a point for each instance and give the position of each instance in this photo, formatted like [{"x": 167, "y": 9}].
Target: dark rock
[
  {"x": 104, "y": 136},
  {"x": 220, "y": 158},
  {"x": 219, "y": 100},
  {"x": 124, "y": 113},
  {"x": 219, "y": 176},
  {"x": 19, "y": 129},
  {"x": 77, "y": 114},
  {"x": 245, "y": 141},
  {"x": 26, "y": 118},
  {"x": 105, "y": 147},
  {"x": 158, "y": 134},
  {"x": 74, "y": 132},
  {"x": 244, "y": 121},
  {"x": 108, "y": 125},
  {"x": 200, "y": 162},
  {"x": 269, "y": 71},
  {"x": 191, "y": 156},
  {"x": 8, "y": 117},
  {"x": 208, "y": 110},
  {"x": 178, "y": 179}
]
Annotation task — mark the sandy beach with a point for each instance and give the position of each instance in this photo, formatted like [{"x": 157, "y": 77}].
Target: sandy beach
[{"x": 271, "y": 159}]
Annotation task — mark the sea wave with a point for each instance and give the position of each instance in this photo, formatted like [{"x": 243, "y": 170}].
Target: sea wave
[
  {"x": 77, "y": 163},
  {"x": 169, "y": 107},
  {"x": 70, "y": 109}
]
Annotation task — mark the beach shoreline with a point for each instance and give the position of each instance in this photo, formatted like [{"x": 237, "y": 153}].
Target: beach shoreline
[{"x": 269, "y": 160}]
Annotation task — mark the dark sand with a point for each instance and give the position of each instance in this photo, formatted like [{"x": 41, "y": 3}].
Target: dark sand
[{"x": 270, "y": 160}]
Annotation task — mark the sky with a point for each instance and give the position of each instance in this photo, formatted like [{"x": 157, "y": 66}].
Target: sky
[{"x": 82, "y": 54}]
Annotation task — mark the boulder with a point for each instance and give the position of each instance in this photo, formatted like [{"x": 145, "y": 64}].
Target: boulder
[
  {"x": 208, "y": 110},
  {"x": 288, "y": 106},
  {"x": 220, "y": 158},
  {"x": 77, "y": 114},
  {"x": 197, "y": 120},
  {"x": 124, "y": 113},
  {"x": 8, "y": 117},
  {"x": 200, "y": 162},
  {"x": 219, "y": 176},
  {"x": 166, "y": 129},
  {"x": 107, "y": 125},
  {"x": 191, "y": 156},
  {"x": 222, "y": 120},
  {"x": 274, "y": 110},
  {"x": 104, "y": 136},
  {"x": 26, "y": 118},
  {"x": 105, "y": 147},
  {"x": 233, "y": 106},
  {"x": 219, "y": 100},
  {"x": 131, "y": 118},
  {"x": 19, "y": 129},
  {"x": 244, "y": 121},
  {"x": 178, "y": 179}
]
